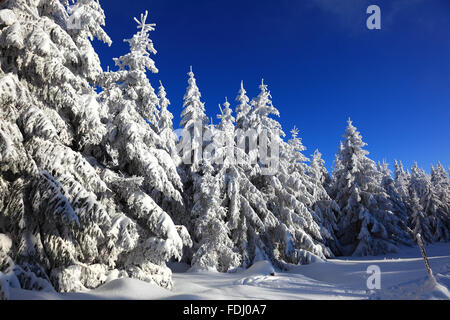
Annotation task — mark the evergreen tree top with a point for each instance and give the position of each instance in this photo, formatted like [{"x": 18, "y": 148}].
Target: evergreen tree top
[
  {"x": 296, "y": 147},
  {"x": 399, "y": 166},
  {"x": 163, "y": 101},
  {"x": 164, "y": 116},
  {"x": 242, "y": 97},
  {"x": 243, "y": 108},
  {"x": 263, "y": 102},
  {"x": 351, "y": 155},
  {"x": 141, "y": 46},
  {"x": 194, "y": 108},
  {"x": 192, "y": 91},
  {"x": 295, "y": 141},
  {"x": 353, "y": 138},
  {"x": 260, "y": 114},
  {"x": 226, "y": 112},
  {"x": 226, "y": 117},
  {"x": 317, "y": 158}
]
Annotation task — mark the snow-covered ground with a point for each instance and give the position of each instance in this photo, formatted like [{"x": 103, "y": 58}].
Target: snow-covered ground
[{"x": 403, "y": 276}]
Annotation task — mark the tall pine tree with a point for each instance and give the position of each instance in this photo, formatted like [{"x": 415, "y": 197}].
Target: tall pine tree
[{"x": 367, "y": 223}]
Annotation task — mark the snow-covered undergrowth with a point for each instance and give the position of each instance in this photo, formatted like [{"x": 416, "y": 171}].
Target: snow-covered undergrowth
[{"x": 403, "y": 276}]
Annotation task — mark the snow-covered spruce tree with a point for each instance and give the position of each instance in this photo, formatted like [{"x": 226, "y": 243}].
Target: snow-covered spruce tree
[
  {"x": 169, "y": 140},
  {"x": 137, "y": 165},
  {"x": 214, "y": 249},
  {"x": 84, "y": 24},
  {"x": 399, "y": 207},
  {"x": 165, "y": 125},
  {"x": 318, "y": 171},
  {"x": 83, "y": 21},
  {"x": 419, "y": 221},
  {"x": 240, "y": 209},
  {"x": 242, "y": 120},
  {"x": 401, "y": 182},
  {"x": 303, "y": 205},
  {"x": 248, "y": 218},
  {"x": 67, "y": 224},
  {"x": 54, "y": 212},
  {"x": 44, "y": 54},
  {"x": 431, "y": 191},
  {"x": 326, "y": 208},
  {"x": 190, "y": 149},
  {"x": 194, "y": 123},
  {"x": 367, "y": 224},
  {"x": 234, "y": 210},
  {"x": 280, "y": 176},
  {"x": 266, "y": 128},
  {"x": 440, "y": 198},
  {"x": 420, "y": 182},
  {"x": 243, "y": 109},
  {"x": 132, "y": 145}
]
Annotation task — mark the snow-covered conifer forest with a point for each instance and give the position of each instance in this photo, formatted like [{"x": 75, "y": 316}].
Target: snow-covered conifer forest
[{"x": 95, "y": 185}]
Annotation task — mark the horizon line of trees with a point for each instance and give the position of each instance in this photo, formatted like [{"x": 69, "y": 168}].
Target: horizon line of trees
[{"x": 92, "y": 187}]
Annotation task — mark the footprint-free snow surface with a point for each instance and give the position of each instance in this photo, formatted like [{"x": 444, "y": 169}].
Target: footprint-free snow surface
[{"x": 403, "y": 276}]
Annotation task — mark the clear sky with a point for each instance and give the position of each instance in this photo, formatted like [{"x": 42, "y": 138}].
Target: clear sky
[{"x": 320, "y": 61}]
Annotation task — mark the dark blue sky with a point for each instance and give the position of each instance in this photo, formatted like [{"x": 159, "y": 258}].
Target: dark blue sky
[{"x": 320, "y": 61}]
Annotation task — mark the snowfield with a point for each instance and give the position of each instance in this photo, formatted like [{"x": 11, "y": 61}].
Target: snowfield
[{"x": 403, "y": 276}]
